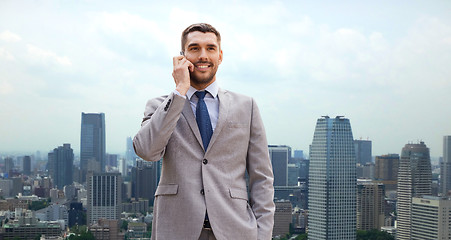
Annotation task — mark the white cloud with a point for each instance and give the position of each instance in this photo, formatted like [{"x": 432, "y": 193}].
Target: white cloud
[
  {"x": 5, "y": 87},
  {"x": 5, "y": 54},
  {"x": 45, "y": 57},
  {"x": 9, "y": 36}
]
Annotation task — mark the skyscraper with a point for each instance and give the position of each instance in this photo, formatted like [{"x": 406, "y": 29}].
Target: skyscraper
[
  {"x": 62, "y": 161},
  {"x": 145, "y": 178},
  {"x": 130, "y": 154},
  {"x": 332, "y": 181},
  {"x": 280, "y": 155},
  {"x": 370, "y": 205},
  {"x": 445, "y": 167},
  {"x": 414, "y": 180},
  {"x": 363, "y": 151},
  {"x": 386, "y": 171},
  {"x": 26, "y": 165},
  {"x": 9, "y": 165},
  {"x": 92, "y": 142},
  {"x": 104, "y": 196}
]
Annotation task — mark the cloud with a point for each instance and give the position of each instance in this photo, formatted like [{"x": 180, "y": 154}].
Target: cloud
[
  {"x": 8, "y": 36},
  {"x": 45, "y": 57}
]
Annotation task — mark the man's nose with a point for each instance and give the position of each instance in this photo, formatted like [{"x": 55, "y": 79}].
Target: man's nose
[{"x": 203, "y": 54}]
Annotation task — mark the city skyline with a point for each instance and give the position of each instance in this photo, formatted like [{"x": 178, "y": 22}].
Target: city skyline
[{"x": 378, "y": 64}]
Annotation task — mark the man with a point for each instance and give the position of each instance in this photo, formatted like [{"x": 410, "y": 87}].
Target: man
[{"x": 208, "y": 138}]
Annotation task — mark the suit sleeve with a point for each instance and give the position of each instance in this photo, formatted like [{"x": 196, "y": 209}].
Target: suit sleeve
[
  {"x": 260, "y": 176},
  {"x": 160, "y": 118}
]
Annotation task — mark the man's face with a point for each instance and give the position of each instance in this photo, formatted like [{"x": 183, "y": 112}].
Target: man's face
[{"x": 203, "y": 51}]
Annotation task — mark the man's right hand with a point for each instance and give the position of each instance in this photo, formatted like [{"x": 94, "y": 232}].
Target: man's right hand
[{"x": 181, "y": 75}]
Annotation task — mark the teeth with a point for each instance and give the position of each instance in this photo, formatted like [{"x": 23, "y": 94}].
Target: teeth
[{"x": 203, "y": 66}]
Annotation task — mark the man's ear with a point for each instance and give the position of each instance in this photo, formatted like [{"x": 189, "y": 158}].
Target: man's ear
[{"x": 220, "y": 56}]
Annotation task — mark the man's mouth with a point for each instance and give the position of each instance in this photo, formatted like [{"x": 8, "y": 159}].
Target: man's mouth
[{"x": 202, "y": 66}]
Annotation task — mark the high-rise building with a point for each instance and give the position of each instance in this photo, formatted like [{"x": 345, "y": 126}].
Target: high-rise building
[
  {"x": 26, "y": 165},
  {"x": 431, "y": 218},
  {"x": 332, "y": 181},
  {"x": 280, "y": 155},
  {"x": 92, "y": 142},
  {"x": 62, "y": 161},
  {"x": 414, "y": 180},
  {"x": 370, "y": 205},
  {"x": 298, "y": 154},
  {"x": 104, "y": 196},
  {"x": 9, "y": 165},
  {"x": 145, "y": 178},
  {"x": 386, "y": 171},
  {"x": 363, "y": 151},
  {"x": 282, "y": 218},
  {"x": 130, "y": 154},
  {"x": 445, "y": 167}
]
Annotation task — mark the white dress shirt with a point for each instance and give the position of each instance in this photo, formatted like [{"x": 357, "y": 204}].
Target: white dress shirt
[{"x": 211, "y": 100}]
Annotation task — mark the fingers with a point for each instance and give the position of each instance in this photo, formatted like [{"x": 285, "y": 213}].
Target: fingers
[{"x": 177, "y": 59}]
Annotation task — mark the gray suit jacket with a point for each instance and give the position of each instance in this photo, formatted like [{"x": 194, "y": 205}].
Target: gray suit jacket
[{"x": 194, "y": 181}]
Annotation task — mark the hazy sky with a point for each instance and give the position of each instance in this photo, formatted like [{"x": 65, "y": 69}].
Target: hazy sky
[{"x": 385, "y": 65}]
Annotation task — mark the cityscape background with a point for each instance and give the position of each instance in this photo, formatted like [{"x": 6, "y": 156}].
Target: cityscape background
[{"x": 384, "y": 65}]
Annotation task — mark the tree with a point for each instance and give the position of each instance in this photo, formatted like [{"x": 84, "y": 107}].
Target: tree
[{"x": 373, "y": 235}]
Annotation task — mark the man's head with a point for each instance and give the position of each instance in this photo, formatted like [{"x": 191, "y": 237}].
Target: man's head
[{"x": 201, "y": 45}]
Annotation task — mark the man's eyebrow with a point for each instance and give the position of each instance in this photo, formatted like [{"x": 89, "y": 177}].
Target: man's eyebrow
[
  {"x": 197, "y": 44},
  {"x": 193, "y": 44}
]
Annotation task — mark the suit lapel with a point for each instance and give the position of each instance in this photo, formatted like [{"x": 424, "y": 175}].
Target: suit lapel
[
  {"x": 224, "y": 103},
  {"x": 187, "y": 112}
]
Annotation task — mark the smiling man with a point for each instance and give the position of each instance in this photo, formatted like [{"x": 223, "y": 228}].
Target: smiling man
[{"x": 208, "y": 138}]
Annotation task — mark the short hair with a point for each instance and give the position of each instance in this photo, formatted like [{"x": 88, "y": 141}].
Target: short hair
[{"x": 199, "y": 27}]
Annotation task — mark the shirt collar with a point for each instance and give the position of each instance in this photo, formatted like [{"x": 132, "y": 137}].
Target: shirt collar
[{"x": 213, "y": 89}]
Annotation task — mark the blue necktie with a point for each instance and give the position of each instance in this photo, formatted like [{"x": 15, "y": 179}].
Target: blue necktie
[{"x": 203, "y": 119}]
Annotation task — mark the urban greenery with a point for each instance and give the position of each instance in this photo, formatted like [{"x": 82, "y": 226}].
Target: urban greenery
[
  {"x": 373, "y": 235},
  {"x": 36, "y": 205}
]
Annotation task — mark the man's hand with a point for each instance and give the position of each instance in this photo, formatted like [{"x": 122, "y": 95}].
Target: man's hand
[{"x": 181, "y": 74}]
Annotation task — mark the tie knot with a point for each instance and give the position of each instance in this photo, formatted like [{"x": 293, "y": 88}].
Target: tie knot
[{"x": 200, "y": 94}]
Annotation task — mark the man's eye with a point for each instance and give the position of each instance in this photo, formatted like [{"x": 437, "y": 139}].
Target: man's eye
[
  {"x": 211, "y": 49},
  {"x": 194, "y": 49}
]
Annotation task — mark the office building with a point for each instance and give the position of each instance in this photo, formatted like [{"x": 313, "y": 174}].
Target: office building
[
  {"x": 76, "y": 214},
  {"x": 298, "y": 154},
  {"x": 104, "y": 196},
  {"x": 26, "y": 226},
  {"x": 106, "y": 229},
  {"x": 130, "y": 154},
  {"x": 445, "y": 167},
  {"x": 282, "y": 218},
  {"x": 280, "y": 156},
  {"x": 363, "y": 151},
  {"x": 26, "y": 165},
  {"x": 386, "y": 171},
  {"x": 9, "y": 166},
  {"x": 145, "y": 178},
  {"x": 370, "y": 205},
  {"x": 332, "y": 181},
  {"x": 414, "y": 180},
  {"x": 431, "y": 218},
  {"x": 62, "y": 162},
  {"x": 92, "y": 142}
]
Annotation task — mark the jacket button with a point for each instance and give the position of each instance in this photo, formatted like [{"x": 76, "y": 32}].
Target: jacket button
[
  {"x": 205, "y": 161},
  {"x": 202, "y": 191}
]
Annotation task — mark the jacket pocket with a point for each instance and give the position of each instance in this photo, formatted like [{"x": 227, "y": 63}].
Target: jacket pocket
[
  {"x": 238, "y": 193},
  {"x": 170, "y": 189}
]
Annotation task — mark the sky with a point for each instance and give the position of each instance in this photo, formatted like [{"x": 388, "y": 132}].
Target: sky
[{"x": 385, "y": 65}]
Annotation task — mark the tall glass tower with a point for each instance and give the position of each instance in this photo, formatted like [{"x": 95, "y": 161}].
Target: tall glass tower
[
  {"x": 62, "y": 161},
  {"x": 332, "y": 181},
  {"x": 92, "y": 142},
  {"x": 445, "y": 167},
  {"x": 414, "y": 180}
]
